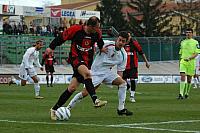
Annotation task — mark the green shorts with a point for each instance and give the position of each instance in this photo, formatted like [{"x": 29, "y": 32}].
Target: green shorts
[{"x": 187, "y": 67}]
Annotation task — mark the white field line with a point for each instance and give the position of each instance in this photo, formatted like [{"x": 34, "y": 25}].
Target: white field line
[
  {"x": 131, "y": 126},
  {"x": 159, "y": 123}
]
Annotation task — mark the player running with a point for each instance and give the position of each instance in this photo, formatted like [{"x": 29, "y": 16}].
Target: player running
[
  {"x": 83, "y": 38},
  {"x": 102, "y": 72},
  {"x": 27, "y": 71}
]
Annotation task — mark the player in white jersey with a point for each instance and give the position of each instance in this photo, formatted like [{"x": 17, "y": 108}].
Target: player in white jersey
[
  {"x": 27, "y": 71},
  {"x": 197, "y": 72},
  {"x": 102, "y": 71}
]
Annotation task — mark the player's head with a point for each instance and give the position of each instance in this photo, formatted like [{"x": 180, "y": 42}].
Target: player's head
[
  {"x": 93, "y": 24},
  {"x": 129, "y": 36},
  {"x": 38, "y": 44},
  {"x": 48, "y": 51},
  {"x": 122, "y": 39},
  {"x": 189, "y": 33}
]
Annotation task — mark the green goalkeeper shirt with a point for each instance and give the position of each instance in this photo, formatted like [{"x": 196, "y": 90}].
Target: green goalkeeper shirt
[{"x": 188, "y": 48}]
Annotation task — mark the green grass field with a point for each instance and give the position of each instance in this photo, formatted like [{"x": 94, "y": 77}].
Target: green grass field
[{"x": 157, "y": 110}]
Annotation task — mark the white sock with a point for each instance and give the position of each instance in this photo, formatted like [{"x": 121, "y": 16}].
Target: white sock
[
  {"x": 132, "y": 93},
  {"x": 37, "y": 89},
  {"x": 17, "y": 82},
  {"x": 122, "y": 96},
  {"x": 76, "y": 99}
]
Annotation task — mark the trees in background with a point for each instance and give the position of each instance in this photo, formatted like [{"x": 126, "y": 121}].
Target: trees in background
[
  {"x": 154, "y": 21},
  {"x": 147, "y": 19},
  {"x": 111, "y": 14}
]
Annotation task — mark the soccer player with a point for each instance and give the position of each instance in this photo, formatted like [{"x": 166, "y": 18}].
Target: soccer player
[
  {"x": 102, "y": 72},
  {"x": 133, "y": 48},
  {"x": 83, "y": 38},
  {"x": 49, "y": 60},
  {"x": 27, "y": 71},
  {"x": 196, "y": 75},
  {"x": 188, "y": 52}
]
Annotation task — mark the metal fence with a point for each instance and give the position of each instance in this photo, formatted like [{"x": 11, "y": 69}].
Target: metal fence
[{"x": 12, "y": 48}]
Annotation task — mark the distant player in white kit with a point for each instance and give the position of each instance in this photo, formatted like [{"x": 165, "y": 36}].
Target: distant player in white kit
[
  {"x": 27, "y": 71},
  {"x": 197, "y": 72},
  {"x": 102, "y": 71}
]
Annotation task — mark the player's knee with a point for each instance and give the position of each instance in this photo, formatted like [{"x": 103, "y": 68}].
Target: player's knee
[
  {"x": 84, "y": 93},
  {"x": 23, "y": 83},
  {"x": 71, "y": 89},
  {"x": 123, "y": 85},
  {"x": 87, "y": 75},
  {"x": 38, "y": 79}
]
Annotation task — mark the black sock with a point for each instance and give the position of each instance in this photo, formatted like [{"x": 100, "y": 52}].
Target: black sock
[
  {"x": 51, "y": 79},
  {"x": 133, "y": 85},
  {"x": 128, "y": 86},
  {"x": 90, "y": 88},
  {"x": 62, "y": 100},
  {"x": 47, "y": 78}
]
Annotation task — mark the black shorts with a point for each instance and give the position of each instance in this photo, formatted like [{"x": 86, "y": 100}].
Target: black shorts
[
  {"x": 130, "y": 73},
  {"x": 76, "y": 62},
  {"x": 78, "y": 76},
  {"x": 49, "y": 69}
]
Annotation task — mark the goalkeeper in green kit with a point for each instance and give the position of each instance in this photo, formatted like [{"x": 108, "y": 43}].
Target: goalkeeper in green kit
[{"x": 188, "y": 51}]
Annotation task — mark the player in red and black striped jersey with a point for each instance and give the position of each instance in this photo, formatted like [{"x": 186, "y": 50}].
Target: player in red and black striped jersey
[
  {"x": 48, "y": 59},
  {"x": 83, "y": 38},
  {"x": 133, "y": 48}
]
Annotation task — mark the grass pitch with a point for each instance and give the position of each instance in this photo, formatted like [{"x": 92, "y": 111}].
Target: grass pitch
[{"x": 156, "y": 110}]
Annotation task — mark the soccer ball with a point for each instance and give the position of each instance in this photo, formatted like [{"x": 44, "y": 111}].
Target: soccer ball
[{"x": 63, "y": 113}]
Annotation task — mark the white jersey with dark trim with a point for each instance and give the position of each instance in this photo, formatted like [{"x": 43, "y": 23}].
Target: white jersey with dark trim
[
  {"x": 106, "y": 61},
  {"x": 31, "y": 56}
]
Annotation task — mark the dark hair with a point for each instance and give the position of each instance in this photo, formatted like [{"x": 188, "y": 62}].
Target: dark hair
[
  {"x": 37, "y": 42},
  {"x": 93, "y": 21},
  {"x": 189, "y": 29},
  {"x": 123, "y": 34}
]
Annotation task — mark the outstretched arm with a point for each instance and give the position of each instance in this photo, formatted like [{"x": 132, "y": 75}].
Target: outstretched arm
[
  {"x": 57, "y": 42},
  {"x": 146, "y": 61}
]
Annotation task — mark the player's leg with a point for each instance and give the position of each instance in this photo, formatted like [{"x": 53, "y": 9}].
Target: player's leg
[
  {"x": 47, "y": 74},
  {"x": 22, "y": 75},
  {"x": 32, "y": 73},
  {"x": 133, "y": 80},
  {"x": 197, "y": 76},
  {"x": 67, "y": 93},
  {"x": 96, "y": 79},
  {"x": 195, "y": 81},
  {"x": 78, "y": 98},
  {"x": 47, "y": 78},
  {"x": 51, "y": 72},
  {"x": 64, "y": 97},
  {"x": 190, "y": 72},
  {"x": 182, "y": 68},
  {"x": 198, "y": 81},
  {"x": 84, "y": 71},
  {"x": 182, "y": 86},
  {"x": 51, "y": 79},
  {"x": 126, "y": 77},
  {"x": 36, "y": 87},
  {"x": 121, "y": 96},
  {"x": 188, "y": 86}
]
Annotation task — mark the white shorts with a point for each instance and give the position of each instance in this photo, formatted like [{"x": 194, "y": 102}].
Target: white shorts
[
  {"x": 197, "y": 71},
  {"x": 107, "y": 78},
  {"x": 24, "y": 74}
]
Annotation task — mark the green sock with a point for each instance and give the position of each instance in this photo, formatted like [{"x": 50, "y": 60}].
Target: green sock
[
  {"x": 182, "y": 87},
  {"x": 187, "y": 88}
]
